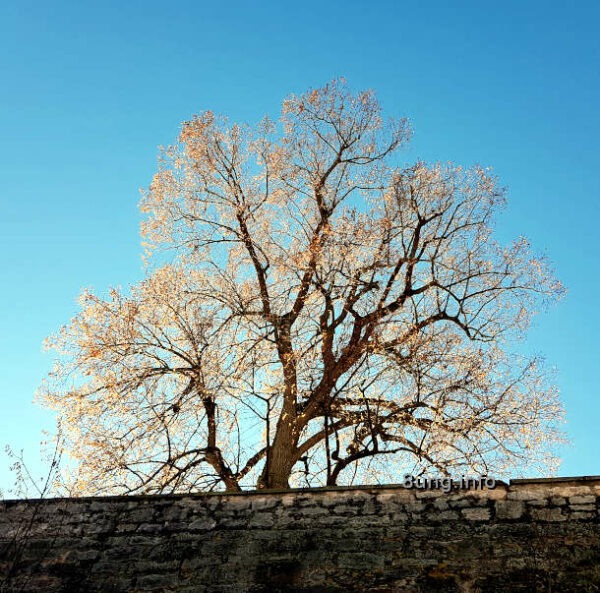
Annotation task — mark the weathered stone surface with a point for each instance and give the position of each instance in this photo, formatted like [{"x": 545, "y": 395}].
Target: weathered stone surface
[
  {"x": 529, "y": 536},
  {"x": 202, "y": 524},
  {"x": 587, "y": 499},
  {"x": 477, "y": 514},
  {"x": 558, "y": 500},
  {"x": 548, "y": 515},
  {"x": 569, "y": 490},
  {"x": 583, "y": 507},
  {"x": 510, "y": 509},
  {"x": 524, "y": 494}
]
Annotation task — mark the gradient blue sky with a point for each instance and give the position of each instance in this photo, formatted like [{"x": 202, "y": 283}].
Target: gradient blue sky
[{"x": 89, "y": 90}]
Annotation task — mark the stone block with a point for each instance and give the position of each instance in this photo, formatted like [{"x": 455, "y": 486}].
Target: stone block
[
  {"x": 476, "y": 514},
  {"x": 239, "y": 503},
  {"x": 426, "y": 493},
  {"x": 414, "y": 507},
  {"x": 441, "y": 504},
  {"x": 445, "y": 516},
  {"x": 538, "y": 502},
  {"x": 203, "y": 524},
  {"x": 581, "y": 516},
  {"x": 260, "y": 503},
  {"x": 510, "y": 509},
  {"x": 288, "y": 500},
  {"x": 497, "y": 493},
  {"x": 568, "y": 491},
  {"x": 458, "y": 502},
  {"x": 331, "y": 498},
  {"x": 343, "y": 509},
  {"x": 519, "y": 493},
  {"x": 582, "y": 499},
  {"x": 394, "y": 497},
  {"x": 583, "y": 507},
  {"x": 360, "y": 561},
  {"x": 552, "y": 514},
  {"x": 262, "y": 521}
]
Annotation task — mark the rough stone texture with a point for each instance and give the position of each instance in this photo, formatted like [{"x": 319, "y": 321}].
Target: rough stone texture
[{"x": 532, "y": 536}]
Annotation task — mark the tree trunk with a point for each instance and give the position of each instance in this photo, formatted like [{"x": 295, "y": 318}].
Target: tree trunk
[{"x": 281, "y": 456}]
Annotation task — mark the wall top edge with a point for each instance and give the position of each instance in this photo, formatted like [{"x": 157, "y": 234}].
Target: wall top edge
[{"x": 574, "y": 480}]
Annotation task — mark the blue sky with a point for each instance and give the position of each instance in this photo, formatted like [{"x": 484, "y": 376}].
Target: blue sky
[{"x": 89, "y": 90}]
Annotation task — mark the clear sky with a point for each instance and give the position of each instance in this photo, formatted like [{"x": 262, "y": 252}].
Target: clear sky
[{"x": 89, "y": 90}]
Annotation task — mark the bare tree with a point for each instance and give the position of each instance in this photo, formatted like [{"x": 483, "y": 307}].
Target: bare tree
[
  {"x": 325, "y": 315},
  {"x": 17, "y": 536}
]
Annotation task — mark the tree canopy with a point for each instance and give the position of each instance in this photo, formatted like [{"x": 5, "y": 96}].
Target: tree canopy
[{"x": 313, "y": 312}]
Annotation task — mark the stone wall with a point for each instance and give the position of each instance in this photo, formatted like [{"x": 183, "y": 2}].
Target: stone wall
[{"x": 530, "y": 536}]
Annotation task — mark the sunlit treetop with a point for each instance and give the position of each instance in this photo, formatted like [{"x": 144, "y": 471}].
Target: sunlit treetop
[{"x": 326, "y": 316}]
